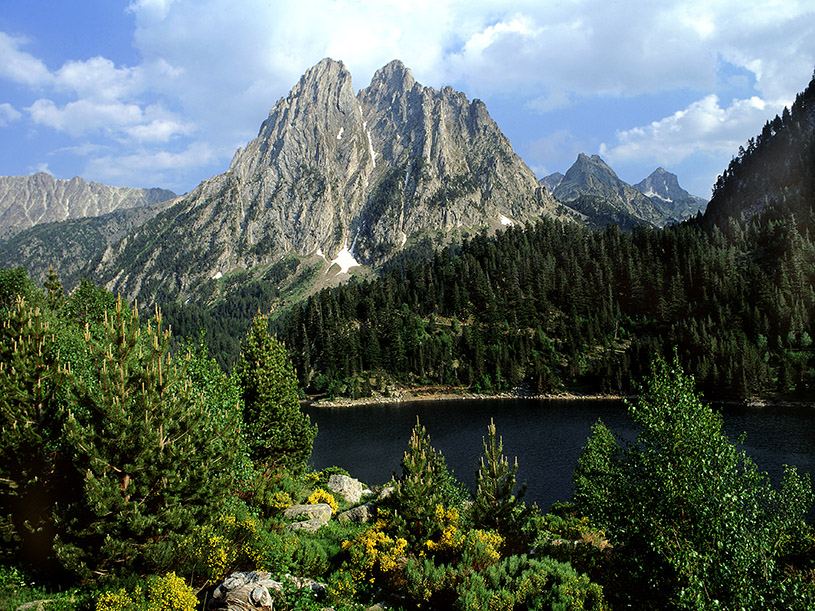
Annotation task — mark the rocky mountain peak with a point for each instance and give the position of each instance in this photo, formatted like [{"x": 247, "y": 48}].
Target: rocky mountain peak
[
  {"x": 662, "y": 188},
  {"x": 340, "y": 178},
  {"x": 394, "y": 77}
]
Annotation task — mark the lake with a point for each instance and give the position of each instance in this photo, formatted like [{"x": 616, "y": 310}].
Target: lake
[{"x": 546, "y": 435}]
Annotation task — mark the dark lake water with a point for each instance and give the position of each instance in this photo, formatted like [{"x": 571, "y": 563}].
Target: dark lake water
[{"x": 546, "y": 436}]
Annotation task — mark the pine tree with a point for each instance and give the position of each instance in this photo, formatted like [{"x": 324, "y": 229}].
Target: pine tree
[
  {"x": 425, "y": 484},
  {"x": 278, "y": 433},
  {"x": 153, "y": 464},
  {"x": 496, "y": 505}
]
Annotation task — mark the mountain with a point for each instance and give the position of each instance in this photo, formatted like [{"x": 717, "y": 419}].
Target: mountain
[
  {"x": 676, "y": 204},
  {"x": 335, "y": 178},
  {"x": 775, "y": 173},
  {"x": 26, "y": 201},
  {"x": 70, "y": 245},
  {"x": 552, "y": 181},
  {"x": 591, "y": 187}
]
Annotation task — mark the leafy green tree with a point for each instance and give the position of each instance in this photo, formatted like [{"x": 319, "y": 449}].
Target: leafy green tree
[
  {"x": 696, "y": 525},
  {"x": 496, "y": 505},
  {"x": 153, "y": 453},
  {"x": 277, "y": 431}
]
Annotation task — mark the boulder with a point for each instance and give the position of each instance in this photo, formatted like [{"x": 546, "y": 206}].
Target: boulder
[
  {"x": 316, "y": 516},
  {"x": 386, "y": 492},
  {"x": 317, "y": 511},
  {"x": 244, "y": 591},
  {"x": 360, "y": 514},
  {"x": 348, "y": 487}
]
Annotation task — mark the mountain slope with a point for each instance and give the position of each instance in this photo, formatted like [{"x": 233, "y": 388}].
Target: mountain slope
[
  {"x": 675, "y": 204},
  {"x": 71, "y": 246},
  {"x": 335, "y": 176},
  {"x": 29, "y": 200},
  {"x": 775, "y": 172}
]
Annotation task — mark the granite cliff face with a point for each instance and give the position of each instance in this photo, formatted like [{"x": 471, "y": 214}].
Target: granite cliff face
[
  {"x": 26, "y": 201},
  {"x": 335, "y": 176},
  {"x": 675, "y": 204}
]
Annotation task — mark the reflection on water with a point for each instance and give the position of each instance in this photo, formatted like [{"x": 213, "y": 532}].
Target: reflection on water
[{"x": 545, "y": 435}]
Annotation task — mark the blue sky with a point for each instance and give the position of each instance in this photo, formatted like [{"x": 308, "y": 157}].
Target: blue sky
[{"x": 163, "y": 92}]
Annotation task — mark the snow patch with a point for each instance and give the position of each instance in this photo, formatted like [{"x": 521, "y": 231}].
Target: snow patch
[
  {"x": 217, "y": 276},
  {"x": 652, "y": 193},
  {"x": 339, "y": 136},
  {"x": 505, "y": 220},
  {"x": 345, "y": 258},
  {"x": 370, "y": 145},
  {"x": 404, "y": 239},
  {"x": 319, "y": 253}
]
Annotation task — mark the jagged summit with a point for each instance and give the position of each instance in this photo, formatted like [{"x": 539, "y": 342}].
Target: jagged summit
[
  {"x": 662, "y": 188},
  {"x": 332, "y": 172}
]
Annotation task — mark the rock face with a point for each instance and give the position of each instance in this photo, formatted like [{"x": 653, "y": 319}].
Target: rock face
[
  {"x": 593, "y": 188},
  {"x": 349, "y": 178},
  {"x": 676, "y": 204},
  {"x": 348, "y": 487},
  {"x": 26, "y": 201}
]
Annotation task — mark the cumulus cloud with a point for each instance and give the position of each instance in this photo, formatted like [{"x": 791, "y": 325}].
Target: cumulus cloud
[
  {"x": 8, "y": 114},
  {"x": 19, "y": 66},
  {"x": 703, "y": 127}
]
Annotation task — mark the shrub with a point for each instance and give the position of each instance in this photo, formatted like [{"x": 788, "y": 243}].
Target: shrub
[{"x": 321, "y": 496}]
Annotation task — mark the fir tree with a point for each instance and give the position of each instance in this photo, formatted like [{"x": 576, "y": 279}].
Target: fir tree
[{"x": 278, "y": 433}]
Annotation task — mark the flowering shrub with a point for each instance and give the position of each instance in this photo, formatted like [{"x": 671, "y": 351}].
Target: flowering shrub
[
  {"x": 235, "y": 541},
  {"x": 170, "y": 593},
  {"x": 451, "y": 537},
  {"x": 167, "y": 593},
  {"x": 370, "y": 555},
  {"x": 119, "y": 600},
  {"x": 321, "y": 496}
]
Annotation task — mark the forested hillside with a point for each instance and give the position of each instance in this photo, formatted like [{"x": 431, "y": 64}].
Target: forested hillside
[{"x": 559, "y": 306}]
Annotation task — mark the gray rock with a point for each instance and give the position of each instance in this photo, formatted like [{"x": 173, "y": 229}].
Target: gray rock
[
  {"x": 307, "y": 525},
  {"x": 317, "y": 511},
  {"x": 245, "y": 591},
  {"x": 359, "y": 515},
  {"x": 385, "y": 492},
  {"x": 348, "y": 487},
  {"x": 35, "y": 605}
]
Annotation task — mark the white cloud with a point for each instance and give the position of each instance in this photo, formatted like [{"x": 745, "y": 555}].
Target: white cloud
[
  {"x": 8, "y": 114},
  {"x": 85, "y": 116},
  {"x": 98, "y": 78},
  {"x": 703, "y": 127},
  {"x": 149, "y": 168},
  {"x": 19, "y": 66}
]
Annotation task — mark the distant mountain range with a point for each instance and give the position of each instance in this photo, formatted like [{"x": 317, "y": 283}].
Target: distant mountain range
[
  {"x": 592, "y": 188},
  {"x": 334, "y": 182},
  {"x": 26, "y": 201}
]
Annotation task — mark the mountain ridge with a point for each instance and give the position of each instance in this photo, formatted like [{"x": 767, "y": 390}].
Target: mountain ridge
[{"x": 26, "y": 201}]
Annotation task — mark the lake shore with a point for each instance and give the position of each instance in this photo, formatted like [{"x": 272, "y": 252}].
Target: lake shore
[{"x": 406, "y": 395}]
